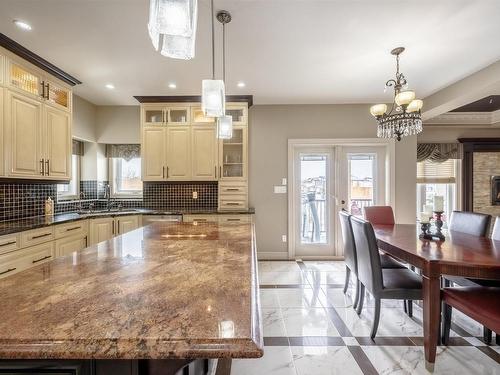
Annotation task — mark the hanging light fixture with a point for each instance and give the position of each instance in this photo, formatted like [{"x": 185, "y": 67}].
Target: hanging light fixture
[
  {"x": 172, "y": 27},
  {"x": 213, "y": 95},
  {"x": 225, "y": 122},
  {"x": 404, "y": 118}
]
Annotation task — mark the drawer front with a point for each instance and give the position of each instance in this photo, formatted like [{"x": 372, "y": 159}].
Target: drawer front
[
  {"x": 228, "y": 219},
  {"x": 228, "y": 189},
  {"x": 36, "y": 236},
  {"x": 11, "y": 267},
  {"x": 41, "y": 254},
  {"x": 9, "y": 243},
  {"x": 20, "y": 260},
  {"x": 233, "y": 202},
  {"x": 77, "y": 228},
  {"x": 68, "y": 245},
  {"x": 200, "y": 218}
]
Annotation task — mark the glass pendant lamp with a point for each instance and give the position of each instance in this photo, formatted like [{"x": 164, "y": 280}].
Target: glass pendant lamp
[
  {"x": 172, "y": 27},
  {"x": 224, "y": 123},
  {"x": 225, "y": 127},
  {"x": 213, "y": 93}
]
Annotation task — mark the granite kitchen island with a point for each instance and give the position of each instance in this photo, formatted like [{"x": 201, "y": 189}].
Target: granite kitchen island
[{"x": 146, "y": 302}]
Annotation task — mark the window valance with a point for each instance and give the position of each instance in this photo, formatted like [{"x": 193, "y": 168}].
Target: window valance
[
  {"x": 77, "y": 148},
  {"x": 126, "y": 152},
  {"x": 438, "y": 152}
]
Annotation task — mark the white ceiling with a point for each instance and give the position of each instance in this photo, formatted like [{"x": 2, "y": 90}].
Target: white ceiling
[{"x": 286, "y": 51}]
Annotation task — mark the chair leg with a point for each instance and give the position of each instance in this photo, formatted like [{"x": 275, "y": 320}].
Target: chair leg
[
  {"x": 410, "y": 308},
  {"x": 359, "y": 308},
  {"x": 356, "y": 294},
  {"x": 404, "y": 306},
  {"x": 446, "y": 323},
  {"x": 487, "y": 335},
  {"x": 497, "y": 338},
  {"x": 347, "y": 276},
  {"x": 376, "y": 318}
]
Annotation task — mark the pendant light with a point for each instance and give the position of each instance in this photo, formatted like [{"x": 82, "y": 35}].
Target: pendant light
[
  {"x": 225, "y": 122},
  {"x": 213, "y": 96},
  {"x": 172, "y": 27}
]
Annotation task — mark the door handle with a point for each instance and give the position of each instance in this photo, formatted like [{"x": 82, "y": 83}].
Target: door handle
[
  {"x": 215, "y": 167},
  {"x": 47, "y": 163},
  {"x": 39, "y": 260},
  {"x": 42, "y": 167},
  {"x": 220, "y": 171},
  {"x": 163, "y": 172},
  {"x": 168, "y": 172},
  {"x": 43, "y": 89},
  {"x": 48, "y": 91}
]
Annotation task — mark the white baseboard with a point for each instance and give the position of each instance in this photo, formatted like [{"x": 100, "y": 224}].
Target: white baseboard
[
  {"x": 326, "y": 257},
  {"x": 272, "y": 255}
]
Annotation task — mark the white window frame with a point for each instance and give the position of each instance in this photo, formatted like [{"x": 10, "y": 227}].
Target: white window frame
[
  {"x": 75, "y": 174},
  {"x": 113, "y": 185}
]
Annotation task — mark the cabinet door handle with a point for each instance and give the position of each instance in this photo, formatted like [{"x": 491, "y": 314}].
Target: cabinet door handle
[
  {"x": 41, "y": 236},
  {"x": 233, "y": 219},
  {"x": 7, "y": 271},
  {"x": 215, "y": 167},
  {"x": 232, "y": 189},
  {"x": 7, "y": 243},
  {"x": 233, "y": 204},
  {"x": 168, "y": 172},
  {"x": 70, "y": 229},
  {"x": 220, "y": 171},
  {"x": 165, "y": 116},
  {"x": 43, "y": 89},
  {"x": 118, "y": 227},
  {"x": 42, "y": 167},
  {"x": 47, "y": 163},
  {"x": 48, "y": 91},
  {"x": 39, "y": 260},
  {"x": 163, "y": 173}
]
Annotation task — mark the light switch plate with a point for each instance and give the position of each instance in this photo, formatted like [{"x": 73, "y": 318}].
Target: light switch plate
[
  {"x": 283, "y": 238},
  {"x": 195, "y": 195},
  {"x": 280, "y": 189},
  {"x": 283, "y": 181}
]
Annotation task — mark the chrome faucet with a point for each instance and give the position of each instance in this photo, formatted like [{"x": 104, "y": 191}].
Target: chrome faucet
[
  {"x": 107, "y": 195},
  {"x": 80, "y": 207}
]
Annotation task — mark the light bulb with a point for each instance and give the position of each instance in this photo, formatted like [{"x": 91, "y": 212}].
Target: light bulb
[
  {"x": 378, "y": 109},
  {"x": 415, "y": 105},
  {"x": 404, "y": 97}
]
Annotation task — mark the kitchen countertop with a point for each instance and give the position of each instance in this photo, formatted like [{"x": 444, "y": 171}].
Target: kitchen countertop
[
  {"x": 20, "y": 225},
  {"x": 168, "y": 290}
]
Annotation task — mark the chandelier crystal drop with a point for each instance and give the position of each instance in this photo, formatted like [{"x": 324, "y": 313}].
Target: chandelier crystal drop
[
  {"x": 404, "y": 119},
  {"x": 172, "y": 27}
]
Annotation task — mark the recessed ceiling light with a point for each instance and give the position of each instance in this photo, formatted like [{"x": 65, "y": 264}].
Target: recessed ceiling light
[
  {"x": 110, "y": 86},
  {"x": 241, "y": 84},
  {"x": 172, "y": 85},
  {"x": 22, "y": 25}
]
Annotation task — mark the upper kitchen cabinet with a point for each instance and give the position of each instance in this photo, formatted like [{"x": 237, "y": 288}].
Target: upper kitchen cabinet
[
  {"x": 204, "y": 152},
  {"x": 2, "y": 69},
  {"x": 23, "y": 79},
  {"x": 57, "y": 144},
  {"x": 199, "y": 118},
  {"x": 163, "y": 115},
  {"x": 178, "y": 115},
  {"x": 238, "y": 112},
  {"x": 2, "y": 170},
  {"x": 58, "y": 95},
  {"x": 233, "y": 155},
  {"x": 178, "y": 153},
  {"x": 153, "y": 157}
]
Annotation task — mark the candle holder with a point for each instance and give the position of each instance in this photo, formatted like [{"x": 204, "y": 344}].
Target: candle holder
[
  {"x": 439, "y": 225},
  {"x": 425, "y": 231}
]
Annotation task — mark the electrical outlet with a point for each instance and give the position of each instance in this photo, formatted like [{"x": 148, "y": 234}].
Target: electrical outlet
[
  {"x": 195, "y": 195},
  {"x": 283, "y": 181},
  {"x": 283, "y": 238}
]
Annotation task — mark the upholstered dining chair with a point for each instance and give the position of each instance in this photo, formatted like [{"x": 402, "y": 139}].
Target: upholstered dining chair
[
  {"x": 495, "y": 233},
  {"x": 391, "y": 283},
  {"x": 478, "y": 302}
]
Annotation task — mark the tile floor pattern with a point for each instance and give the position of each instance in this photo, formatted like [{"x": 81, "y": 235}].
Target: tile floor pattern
[{"x": 310, "y": 328}]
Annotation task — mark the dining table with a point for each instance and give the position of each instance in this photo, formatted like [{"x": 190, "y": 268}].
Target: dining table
[{"x": 459, "y": 254}]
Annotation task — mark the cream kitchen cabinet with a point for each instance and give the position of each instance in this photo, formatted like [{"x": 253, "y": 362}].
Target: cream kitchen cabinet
[
  {"x": 178, "y": 153},
  {"x": 101, "y": 229},
  {"x": 2, "y": 169},
  {"x": 153, "y": 153},
  {"x": 204, "y": 152},
  {"x": 157, "y": 114},
  {"x": 68, "y": 245},
  {"x": 233, "y": 155},
  {"x": 17, "y": 261},
  {"x": 126, "y": 224},
  {"x": 38, "y": 139}
]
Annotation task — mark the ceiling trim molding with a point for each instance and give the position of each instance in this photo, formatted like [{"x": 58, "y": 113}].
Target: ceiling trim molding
[
  {"x": 473, "y": 119},
  {"x": 192, "y": 99},
  {"x": 36, "y": 60}
]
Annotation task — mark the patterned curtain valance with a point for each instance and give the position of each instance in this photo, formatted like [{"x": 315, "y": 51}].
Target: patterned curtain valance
[
  {"x": 438, "y": 152},
  {"x": 126, "y": 152},
  {"x": 77, "y": 148}
]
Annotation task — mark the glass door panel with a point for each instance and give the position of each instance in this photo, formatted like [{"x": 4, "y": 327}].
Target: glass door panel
[
  {"x": 178, "y": 116},
  {"x": 154, "y": 116},
  {"x": 199, "y": 117},
  {"x": 233, "y": 155},
  {"x": 238, "y": 115},
  {"x": 24, "y": 80},
  {"x": 361, "y": 188},
  {"x": 58, "y": 95}
]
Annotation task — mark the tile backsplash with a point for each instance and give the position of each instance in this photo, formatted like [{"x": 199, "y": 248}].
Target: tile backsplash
[{"x": 19, "y": 200}]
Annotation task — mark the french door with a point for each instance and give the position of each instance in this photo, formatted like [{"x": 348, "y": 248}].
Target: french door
[{"x": 327, "y": 179}]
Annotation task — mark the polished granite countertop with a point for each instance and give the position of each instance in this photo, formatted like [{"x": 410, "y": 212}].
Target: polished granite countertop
[
  {"x": 168, "y": 290},
  {"x": 20, "y": 225}
]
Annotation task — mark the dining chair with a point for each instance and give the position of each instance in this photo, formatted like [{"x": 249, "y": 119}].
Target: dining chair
[
  {"x": 495, "y": 233},
  {"x": 478, "y": 302},
  {"x": 384, "y": 215},
  {"x": 350, "y": 259},
  {"x": 473, "y": 223},
  {"x": 390, "y": 283}
]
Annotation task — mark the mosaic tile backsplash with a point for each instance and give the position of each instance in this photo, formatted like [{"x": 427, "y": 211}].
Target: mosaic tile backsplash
[{"x": 19, "y": 200}]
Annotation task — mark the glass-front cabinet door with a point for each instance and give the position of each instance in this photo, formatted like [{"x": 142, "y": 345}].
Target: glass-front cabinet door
[
  {"x": 199, "y": 118},
  {"x": 238, "y": 113},
  {"x": 233, "y": 155},
  {"x": 57, "y": 95},
  {"x": 22, "y": 79},
  {"x": 154, "y": 115},
  {"x": 178, "y": 115}
]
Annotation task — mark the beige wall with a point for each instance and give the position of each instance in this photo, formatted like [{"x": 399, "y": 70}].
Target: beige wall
[
  {"x": 118, "y": 124},
  {"x": 84, "y": 119},
  {"x": 450, "y": 133},
  {"x": 272, "y": 126}
]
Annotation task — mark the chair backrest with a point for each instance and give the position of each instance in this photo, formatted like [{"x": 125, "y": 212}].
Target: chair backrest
[
  {"x": 472, "y": 223},
  {"x": 369, "y": 268},
  {"x": 379, "y": 215},
  {"x": 495, "y": 234},
  {"x": 348, "y": 241}
]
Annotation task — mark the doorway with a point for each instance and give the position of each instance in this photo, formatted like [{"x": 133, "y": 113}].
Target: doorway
[{"x": 325, "y": 177}]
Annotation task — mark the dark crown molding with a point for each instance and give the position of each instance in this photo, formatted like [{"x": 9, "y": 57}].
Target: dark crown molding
[
  {"x": 192, "y": 98},
  {"x": 36, "y": 60}
]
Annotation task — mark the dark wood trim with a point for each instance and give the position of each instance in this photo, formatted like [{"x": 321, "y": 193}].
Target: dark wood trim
[
  {"x": 36, "y": 60},
  {"x": 13, "y": 180},
  {"x": 192, "y": 98},
  {"x": 470, "y": 146}
]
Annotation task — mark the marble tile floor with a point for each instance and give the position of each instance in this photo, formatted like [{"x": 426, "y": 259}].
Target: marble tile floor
[{"x": 310, "y": 328}]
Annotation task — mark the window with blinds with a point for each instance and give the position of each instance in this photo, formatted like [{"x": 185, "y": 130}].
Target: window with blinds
[{"x": 436, "y": 173}]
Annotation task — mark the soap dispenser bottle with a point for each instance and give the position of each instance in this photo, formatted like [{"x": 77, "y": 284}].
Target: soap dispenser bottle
[{"x": 49, "y": 207}]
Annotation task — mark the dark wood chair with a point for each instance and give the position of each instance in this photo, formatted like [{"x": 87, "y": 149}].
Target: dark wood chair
[
  {"x": 390, "y": 283},
  {"x": 480, "y": 303}
]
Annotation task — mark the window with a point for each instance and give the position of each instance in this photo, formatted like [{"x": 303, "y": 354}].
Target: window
[
  {"x": 126, "y": 177},
  {"x": 437, "y": 179},
  {"x": 71, "y": 190}
]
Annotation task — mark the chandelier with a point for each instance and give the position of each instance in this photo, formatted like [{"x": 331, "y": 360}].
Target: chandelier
[{"x": 404, "y": 118}]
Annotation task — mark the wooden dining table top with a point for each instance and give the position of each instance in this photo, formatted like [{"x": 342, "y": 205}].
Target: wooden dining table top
[{"x": 457, "y": 250}]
